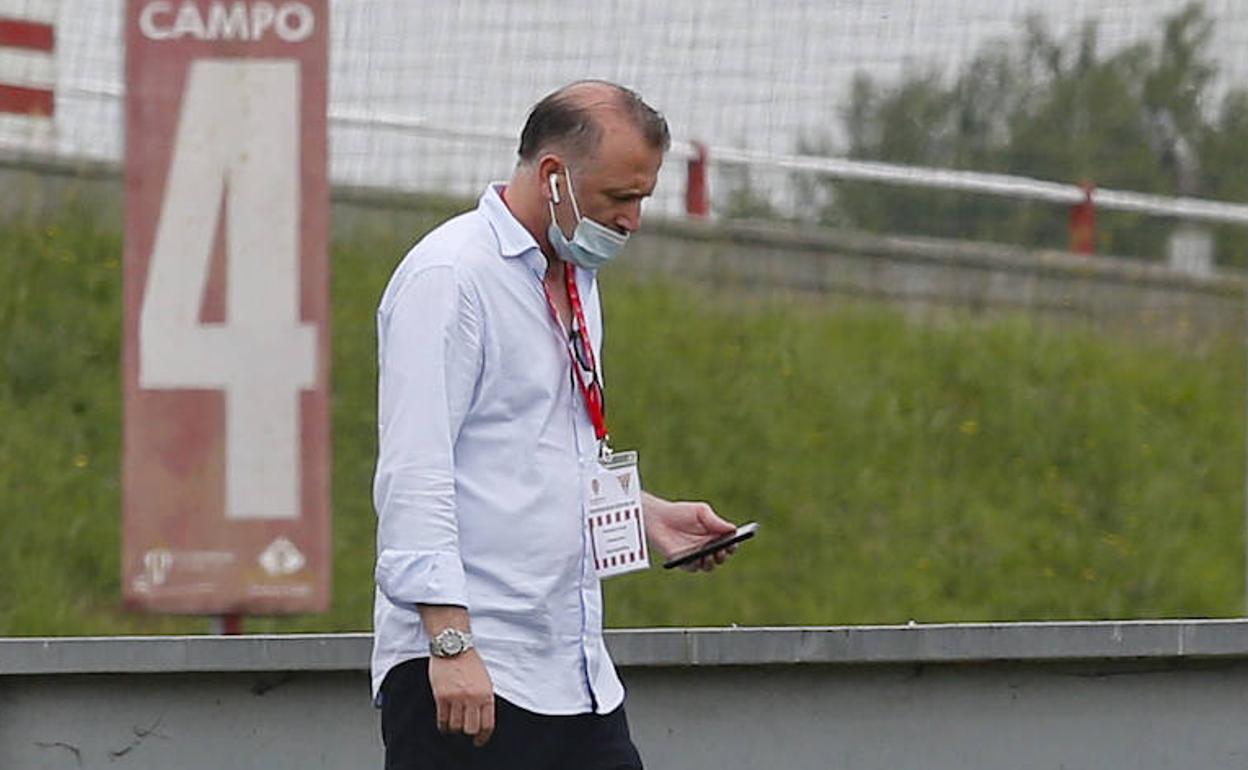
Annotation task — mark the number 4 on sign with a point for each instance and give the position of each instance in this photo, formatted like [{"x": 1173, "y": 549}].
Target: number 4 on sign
[{"x": 238, "y": 135}]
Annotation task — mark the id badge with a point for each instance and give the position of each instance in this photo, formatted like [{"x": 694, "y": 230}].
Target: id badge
[{"x": 616, "y": 529}]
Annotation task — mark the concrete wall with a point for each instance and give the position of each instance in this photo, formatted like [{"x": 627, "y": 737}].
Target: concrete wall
[
  {"x": 1138, "y": 695},
  {"x": 925, "y": 276}
]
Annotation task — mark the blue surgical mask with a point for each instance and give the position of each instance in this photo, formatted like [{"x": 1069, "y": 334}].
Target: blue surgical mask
[{"x": 593, "y": 244}]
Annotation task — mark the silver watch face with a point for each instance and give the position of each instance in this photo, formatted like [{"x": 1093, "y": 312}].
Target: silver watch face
[{"x": 449, "y": 643}]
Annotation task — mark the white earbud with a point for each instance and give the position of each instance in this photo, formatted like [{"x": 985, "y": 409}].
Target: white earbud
[{"x": 554, "y": 188}]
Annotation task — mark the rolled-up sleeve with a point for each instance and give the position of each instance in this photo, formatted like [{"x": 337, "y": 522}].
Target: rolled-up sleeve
[{"x": 429, "y": 349}]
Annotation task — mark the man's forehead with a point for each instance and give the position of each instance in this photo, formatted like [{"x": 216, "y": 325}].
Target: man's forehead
[
  {"x": 639, "y": 187},
  {"x": 626, "y": 170}
]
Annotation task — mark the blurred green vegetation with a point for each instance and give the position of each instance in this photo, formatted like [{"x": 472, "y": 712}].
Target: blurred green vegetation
[
  {"x": 1151, "y": 117},
  {"x": 967, "y": 469}
]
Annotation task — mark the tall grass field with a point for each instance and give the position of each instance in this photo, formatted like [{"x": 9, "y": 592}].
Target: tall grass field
[{"x": 967, "y": 470}]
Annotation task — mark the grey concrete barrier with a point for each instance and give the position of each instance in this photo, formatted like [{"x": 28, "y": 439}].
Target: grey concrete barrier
[
  {"x": 931, "y": 277},
  {"x": 1148, "y": 694}
]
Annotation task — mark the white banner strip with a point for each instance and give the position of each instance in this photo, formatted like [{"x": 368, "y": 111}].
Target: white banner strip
[
  {"x": 25, "y": 133},
  {"x": 28, "y": 69},
  {"x": 30, "y": 10}
]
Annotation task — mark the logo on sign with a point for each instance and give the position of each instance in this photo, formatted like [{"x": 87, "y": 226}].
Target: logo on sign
[
  {"x": 282, "y": 558},
  {"x": 157, "y": 563}
]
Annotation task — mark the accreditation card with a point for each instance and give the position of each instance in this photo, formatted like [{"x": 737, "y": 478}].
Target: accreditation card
[{"x": 616, "y": 528}]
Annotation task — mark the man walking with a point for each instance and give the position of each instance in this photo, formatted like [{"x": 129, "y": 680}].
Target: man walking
[{"x": 500, "y": 502}]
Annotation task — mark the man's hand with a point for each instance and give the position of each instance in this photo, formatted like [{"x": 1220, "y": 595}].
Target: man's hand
[
  {"x": 464, "y": 695},
  {"x": 461, "y": 686},
  {"x": 674, "y": 527}
]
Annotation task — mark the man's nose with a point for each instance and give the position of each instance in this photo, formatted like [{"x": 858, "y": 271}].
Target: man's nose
[{"x": 629, "y": 220}]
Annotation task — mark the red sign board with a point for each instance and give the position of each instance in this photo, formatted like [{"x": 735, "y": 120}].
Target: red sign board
[{"x": 226, "y": 354}]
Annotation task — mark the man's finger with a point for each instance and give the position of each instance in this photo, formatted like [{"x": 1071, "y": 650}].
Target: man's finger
[
  {"x": 456, "y": 722},
  {"x": 487, "y": 724},
  {"x": 444, "y": 714},
  {"x": 472, "y": 720}
]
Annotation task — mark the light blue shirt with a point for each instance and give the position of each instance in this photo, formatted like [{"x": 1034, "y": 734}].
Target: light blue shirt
[{"x": 484, "y": 449}]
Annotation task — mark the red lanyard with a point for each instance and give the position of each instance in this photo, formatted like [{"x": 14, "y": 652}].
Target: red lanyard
[{"x": 584, "y": 361}]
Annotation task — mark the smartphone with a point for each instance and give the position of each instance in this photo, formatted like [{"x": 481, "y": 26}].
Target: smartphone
[{"x": 743, "y": 533}]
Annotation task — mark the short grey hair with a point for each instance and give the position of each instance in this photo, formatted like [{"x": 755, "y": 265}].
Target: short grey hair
[{"x": 567, "y": 121}]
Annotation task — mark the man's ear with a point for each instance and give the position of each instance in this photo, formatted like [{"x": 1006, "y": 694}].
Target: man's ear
[{"x": 549, "y": 167}]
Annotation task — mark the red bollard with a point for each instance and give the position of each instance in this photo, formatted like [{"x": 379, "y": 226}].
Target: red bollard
[
  {"x": 1083, "y": 222},
  {"x": 233, "y": 624},
  {"x": 697, "y": 198}
]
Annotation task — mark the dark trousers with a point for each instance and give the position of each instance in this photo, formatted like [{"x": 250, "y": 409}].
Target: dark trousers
[{"x": 522, "y": 740}]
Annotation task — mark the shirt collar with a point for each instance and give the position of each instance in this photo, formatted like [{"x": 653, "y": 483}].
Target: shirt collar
[{"x": 513, "y": 238}]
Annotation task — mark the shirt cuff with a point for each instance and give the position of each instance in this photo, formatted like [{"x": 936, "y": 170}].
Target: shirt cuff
[{"x": 408, "y": 578}]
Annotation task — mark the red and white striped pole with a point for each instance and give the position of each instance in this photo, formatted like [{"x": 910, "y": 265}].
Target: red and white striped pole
[{"x": 28, "y": 63}]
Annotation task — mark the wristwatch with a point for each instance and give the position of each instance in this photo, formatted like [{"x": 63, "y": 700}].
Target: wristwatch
[{"x": 450, "y": 642}]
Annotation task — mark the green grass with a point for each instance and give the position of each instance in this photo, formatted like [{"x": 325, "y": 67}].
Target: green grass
[{"x": 962, "y": 470}]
